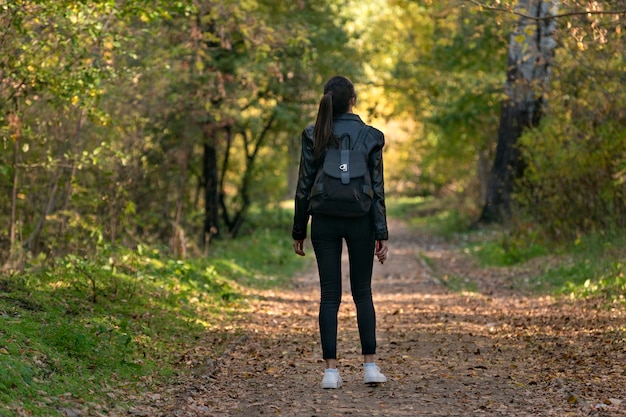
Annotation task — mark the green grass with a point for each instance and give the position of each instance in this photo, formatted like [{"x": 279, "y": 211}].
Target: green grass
[
  {"x": 89, "y": 329},
  {"x": 502, "y": 252},
  {"x": 591, "y": 266},
  {"x": 94, "y": 331},
  {"x": 435, "y": 216}
]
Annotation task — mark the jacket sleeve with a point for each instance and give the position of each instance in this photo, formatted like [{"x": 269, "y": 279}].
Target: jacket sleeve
[
  {"x": 306, "y": 176},
  {"x": 378, "y": 186}
]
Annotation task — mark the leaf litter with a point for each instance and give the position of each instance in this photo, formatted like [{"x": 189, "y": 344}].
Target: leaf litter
[{"x": 492, "y": 352}]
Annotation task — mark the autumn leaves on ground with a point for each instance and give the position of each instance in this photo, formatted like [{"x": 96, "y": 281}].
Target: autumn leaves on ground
[{"x": 492, "y": 352}]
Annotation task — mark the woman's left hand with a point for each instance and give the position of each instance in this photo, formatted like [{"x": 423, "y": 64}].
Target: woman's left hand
[{"x": 298, "y": 247}]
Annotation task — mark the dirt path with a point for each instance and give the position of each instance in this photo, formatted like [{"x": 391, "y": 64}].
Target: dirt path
[{"x": 486, "y": 353}]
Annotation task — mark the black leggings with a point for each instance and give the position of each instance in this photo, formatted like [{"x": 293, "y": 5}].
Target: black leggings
[{"x": 326, "y": 235}]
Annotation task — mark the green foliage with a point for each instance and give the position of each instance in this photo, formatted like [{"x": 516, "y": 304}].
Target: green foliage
[
  {"x": 507, "y": 251},
  {"x": 445, "y": 217},
  {"x": 492, "y": 247},
  {"x": 464, "y": 80},
  {"x": 442, "y": 67},
  {"x": 572, "y": 183},
  {"x": 108, "y": 107},
  {"x": 609, "y": 283},
  {"x": 574, "y": 178},
  {"x": 591, "y": 266},
  {"x": 126, "y": 316},
  {"x": 57, "y": 341},
  {"x": 410, "y": 207},
  {"x": 514, "y": 244},
  {"x": 265, "y": 255}
]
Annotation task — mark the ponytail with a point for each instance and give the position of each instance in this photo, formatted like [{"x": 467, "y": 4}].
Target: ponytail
[
  {"x": 323, "y": 132},
  {"x": 338, "y": 92}
]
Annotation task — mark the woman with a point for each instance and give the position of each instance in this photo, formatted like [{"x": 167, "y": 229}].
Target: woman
[{"x": 366, "y": 236}]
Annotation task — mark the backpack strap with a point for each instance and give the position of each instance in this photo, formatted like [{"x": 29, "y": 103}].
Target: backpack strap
[
  {"x": 345, "y": 166},
  {"x": 342, "y": 141},
  {"x": 364, "y": 131}
]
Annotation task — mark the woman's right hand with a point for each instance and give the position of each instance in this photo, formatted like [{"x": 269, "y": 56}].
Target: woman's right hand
[{"x": 381, "y": 251}]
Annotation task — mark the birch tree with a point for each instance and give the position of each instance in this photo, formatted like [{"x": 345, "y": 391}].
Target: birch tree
[{"x": 530, "y": 55}]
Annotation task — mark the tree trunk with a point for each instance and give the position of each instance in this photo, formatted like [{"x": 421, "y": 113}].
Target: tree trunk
[
  {"x": 531, "y": 50},
  {"x": 13, "y": 248},
  {"x": 251, "y": 149},
  {"x": 210, "y": 179}
]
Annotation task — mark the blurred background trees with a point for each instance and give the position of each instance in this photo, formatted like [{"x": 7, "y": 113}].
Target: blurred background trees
[{"x": 167, "y": 121}]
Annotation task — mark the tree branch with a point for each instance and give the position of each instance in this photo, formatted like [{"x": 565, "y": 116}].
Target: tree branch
[{"x": 508, "y": 10}]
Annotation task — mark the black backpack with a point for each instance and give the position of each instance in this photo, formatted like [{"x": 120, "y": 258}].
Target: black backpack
[{"x": 343, "y": 185}]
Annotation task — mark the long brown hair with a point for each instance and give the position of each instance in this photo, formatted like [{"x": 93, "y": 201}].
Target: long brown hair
[{"x": 338, "y": 91}]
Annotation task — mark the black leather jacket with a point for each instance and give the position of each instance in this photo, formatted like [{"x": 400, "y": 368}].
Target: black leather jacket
[{"x": 372, "y": 145}]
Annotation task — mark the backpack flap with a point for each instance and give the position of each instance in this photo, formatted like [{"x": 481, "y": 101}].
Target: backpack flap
[{"x": 344, "y": 164}]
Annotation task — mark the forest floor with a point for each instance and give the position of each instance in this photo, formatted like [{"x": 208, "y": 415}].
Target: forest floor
[{"x": 494, "y": 351}]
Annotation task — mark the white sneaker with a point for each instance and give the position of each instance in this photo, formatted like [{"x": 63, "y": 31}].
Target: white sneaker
[
  {"x": 373, "y": 374},
  {"x": 332, "y": 379}
]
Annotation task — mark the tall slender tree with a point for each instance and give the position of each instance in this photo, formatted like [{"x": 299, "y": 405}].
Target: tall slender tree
[{"x": 531, "y": 50}]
